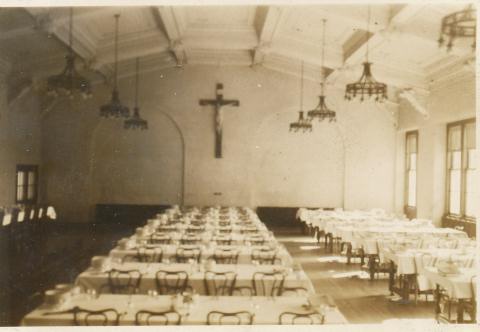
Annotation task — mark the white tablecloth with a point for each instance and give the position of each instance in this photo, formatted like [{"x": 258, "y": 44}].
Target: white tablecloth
[
  {"x": 457, "y": 286},
  {"x": 91, "y": 279},
  {"x": 266, "y": 310}
]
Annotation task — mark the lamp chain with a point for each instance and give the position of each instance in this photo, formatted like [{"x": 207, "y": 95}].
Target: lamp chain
[{"x": 116, "y": 50}]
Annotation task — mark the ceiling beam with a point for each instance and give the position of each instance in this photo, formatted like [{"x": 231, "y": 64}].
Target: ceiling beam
[
  {"x": 267, "y": 21},
  {"x": 168, "y": 23}
]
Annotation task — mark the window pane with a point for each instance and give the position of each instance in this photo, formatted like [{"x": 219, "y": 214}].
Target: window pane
[
  {"x": 31, "y": 192},
  {"x": 455, "y": 182},
  {"x": 470, "y": 181},
  {"x": 413, "y": 161},
  {"x": 454, "y": 138},
  {"x": 20, "y": 196},
  {"x": 31, "y": 178},
  {"x": 470, "y": 135},
  {"x": 472, "y": 159},
  {"x": 412, "y": 188},
  {"x": 456, "y": 160},
  {"x": 411, "y": 143},
  {"x": 471, "y": 204},
  {"x": 20, "y": 178}
]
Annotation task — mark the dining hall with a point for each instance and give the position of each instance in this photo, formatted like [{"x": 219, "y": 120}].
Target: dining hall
[{"x": 238, "y": 163}]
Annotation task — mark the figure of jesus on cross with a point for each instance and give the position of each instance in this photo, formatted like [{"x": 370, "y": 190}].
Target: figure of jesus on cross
[{"x": 218, "y": 103}]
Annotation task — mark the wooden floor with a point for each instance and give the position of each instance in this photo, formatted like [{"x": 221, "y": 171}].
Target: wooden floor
[{"x": 359, "y": 299}]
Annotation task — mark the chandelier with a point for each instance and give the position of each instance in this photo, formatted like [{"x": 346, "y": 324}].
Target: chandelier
[
  {"x": 366, "y": 85},
  {"x": 301, "y": 124},
  {"x": 458, "y": 25},
  {"x": 136, "y": 122},
  {"x": 69, "y": 82},
  {"x": 115, "y": 108},
  {"x": 321, "y": 111}
]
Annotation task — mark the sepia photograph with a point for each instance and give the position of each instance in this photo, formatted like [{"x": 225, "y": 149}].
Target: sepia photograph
[{"x": 257, "y": 163}]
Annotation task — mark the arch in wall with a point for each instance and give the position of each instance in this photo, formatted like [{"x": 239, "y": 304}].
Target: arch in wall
[
  {"x": 137, "y": 167},
  {"x": 284, "y": 175}
]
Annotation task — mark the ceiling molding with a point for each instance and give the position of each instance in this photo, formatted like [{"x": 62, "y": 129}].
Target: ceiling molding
[
  {"x": 168, "y": 23},
  {"x": 267, "y": 21}
]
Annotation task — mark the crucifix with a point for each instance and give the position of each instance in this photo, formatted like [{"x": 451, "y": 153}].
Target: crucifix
[{"x": 218, "y": 103}]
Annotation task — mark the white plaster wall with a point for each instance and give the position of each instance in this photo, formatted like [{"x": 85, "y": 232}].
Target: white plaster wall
[
  {"x": 90, "y": 160},
  {"x": 449, "y": 101},
  {"x": 19, "y": 139}
]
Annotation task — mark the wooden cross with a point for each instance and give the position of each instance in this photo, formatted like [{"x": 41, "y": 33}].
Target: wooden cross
[{"x": 218, "y": 103}]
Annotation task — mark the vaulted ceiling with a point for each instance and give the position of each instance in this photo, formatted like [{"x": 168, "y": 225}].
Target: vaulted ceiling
[{"x": 402, "y": 40}]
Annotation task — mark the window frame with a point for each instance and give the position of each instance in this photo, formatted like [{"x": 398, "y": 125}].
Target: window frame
[
  {"x": 26, "y": 169},
  {"x": 408, "y": 209},
  {"x": 463, "y": 171}
]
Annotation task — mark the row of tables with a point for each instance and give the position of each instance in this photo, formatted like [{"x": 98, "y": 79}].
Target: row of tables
[
  {"x": 420, "y": 258},
  {"x": 174, "y": 266}
]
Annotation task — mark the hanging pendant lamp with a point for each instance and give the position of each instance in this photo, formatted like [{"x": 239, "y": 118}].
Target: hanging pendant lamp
[
  {"x": 302, "y": 124},
  {"x": 69, "y": 82},
  {"x": 321, "y": 111},
  {"x": 366, "y": 86},
  {"x": 115, "y": 109},
  {"x": 136, "y": 122},
  {"x": 462, "y": 24}
]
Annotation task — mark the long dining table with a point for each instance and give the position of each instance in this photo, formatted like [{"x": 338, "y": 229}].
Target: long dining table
[
  {"x": 265, "y": 310},
  {"x": 97, "y": 280}
]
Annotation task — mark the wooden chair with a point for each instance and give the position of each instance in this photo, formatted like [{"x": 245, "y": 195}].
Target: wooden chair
[
  {"x": 183, "y": 255},
  {"x": 265, "y": 256},
  {"x": 124, "y": 282},
  {"x": 85, "y": 317},
  {"x": 190, "y": 239},
  {"x": 146, "y": 317},
  {"x": 160, "y": 238},
  {"x": 268, "y": 283},
  {"x": 304, "y": 318},
  {"x": 230, "y": 318},
  {"x": 225, "y": 256},
  {"x": 256, "y": 240},
  {"x": 145, "y": 255},
  {"x": 223, "y": 241},
  {"x": 220, "y": 283},
  {"x": 171, "y": 282}
]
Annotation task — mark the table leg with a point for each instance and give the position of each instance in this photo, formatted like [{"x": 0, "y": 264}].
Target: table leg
[
  {"x": 437, "y": 301},
  {"x": 391, "y": 277},
  {"x": 371, "y": 266},
  {"x": 349, "y": 253},
  {"x": 460, "y": 309},
  {"x": 362, "y": 257}
]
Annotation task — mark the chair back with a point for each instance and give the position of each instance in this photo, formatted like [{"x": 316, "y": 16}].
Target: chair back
[
  {"x": 171, "y": 282},
  {"x": 220, "y": 283},
  {"x": 225, "y": 256},
  {"x": 304, "y": 318},
  {"x": 124, "y": 282},
  {"x": 268, "y": 283},
  {"x": 230, "y": 318},
  {"x": 160, "y": 238},
  {"x": 184, "y": 254},
  {"x": 264, "y": 256},
  {"x": 85, "y": 317},
  {"x": 146, "y": 317}
]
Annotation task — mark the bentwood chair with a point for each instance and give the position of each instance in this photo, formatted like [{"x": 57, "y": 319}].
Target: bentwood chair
[
  {"x": 190, "y": 239},
  {"x": 160, "y": 238},
  {"x": 223, "y": 240},
  {"x": 268, "y": 283},
  {"x": 230, "y": 318},
  {"x": 225, "y": 256},
  {"x": 256, "y": 240},
  {"x": 145, "y": 255},
  {"x": 169, "y": 317},
  {"x": 184, "y": 254},
  {"x": 85, "y": 317},
  {"x": 304, "y": 318},
  {"x": 220, "y": 283},
  {"x": 264, "y": 256},
  {"x": 171, "y": 282},
  {"x": 124, "y": 282}
]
